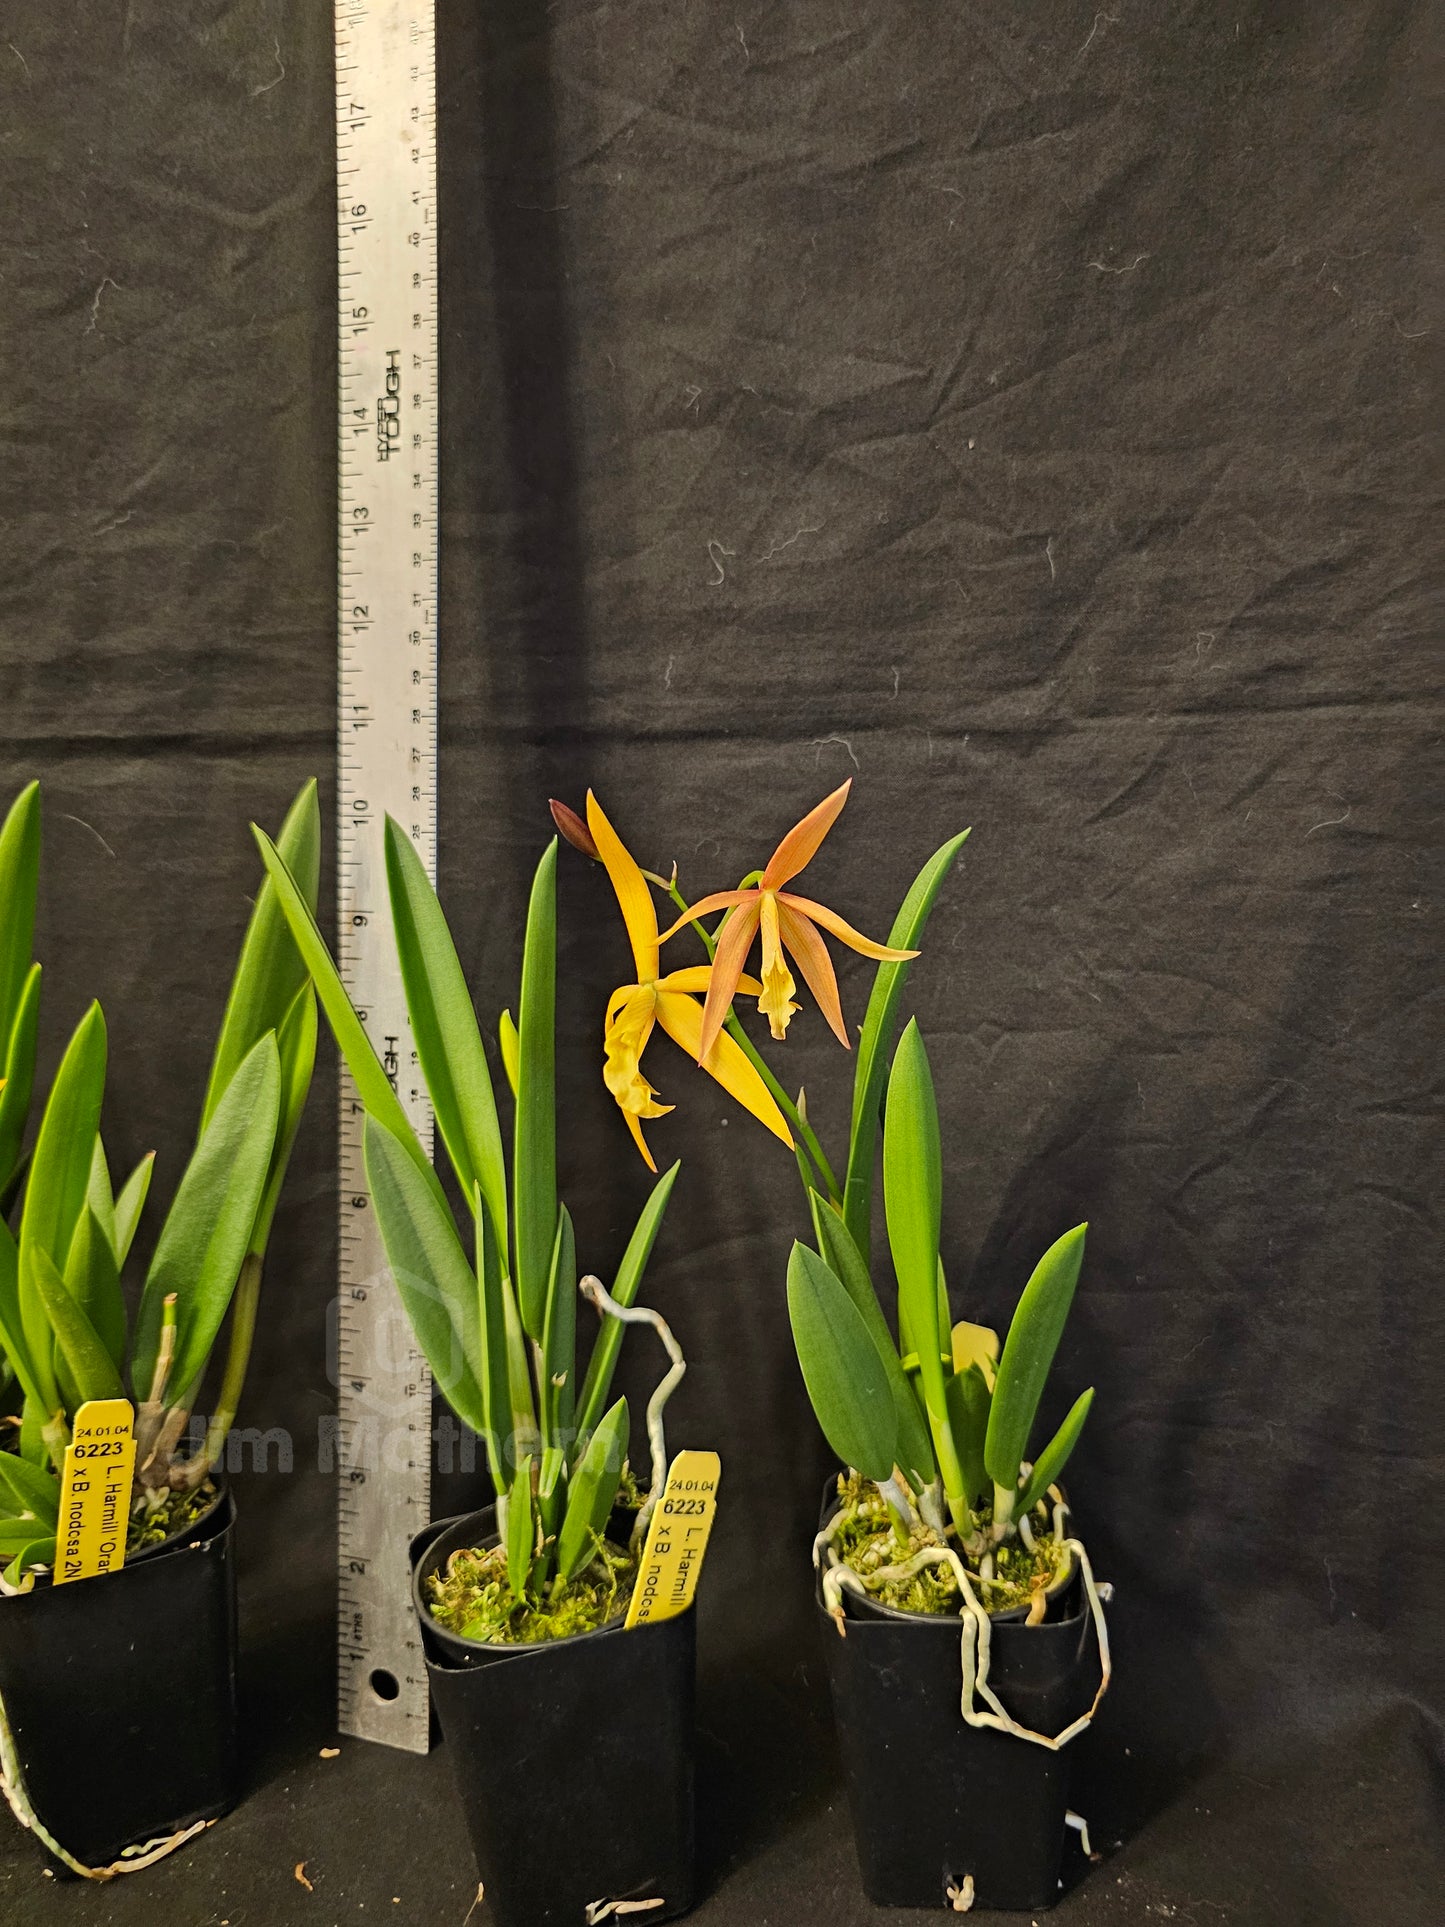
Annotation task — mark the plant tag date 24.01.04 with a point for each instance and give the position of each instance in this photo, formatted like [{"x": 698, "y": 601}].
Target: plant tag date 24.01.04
[
  {"x": 95, "y": 1491},
  {"x": 677, "y": 1536}
]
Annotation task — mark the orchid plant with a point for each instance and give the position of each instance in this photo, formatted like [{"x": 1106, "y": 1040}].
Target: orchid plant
[
  {"x": 498, "y": 1325},
  {"x": 935, "y": 1424},
  {"x": 64, "y": 1325}
]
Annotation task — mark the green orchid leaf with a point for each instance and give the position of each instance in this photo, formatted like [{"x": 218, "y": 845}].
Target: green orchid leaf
[
  {"x": 98, "y": 1195},
  {"x": 373, "y": 1086},
  {"x": 438, "y": 1287},
  {"x": 534, "y": 1161},
  {"x": 17, "y": 1068},
  {"x": 603, "y": 1362},
  {"x": 19, "y": 882},
  {"x": 521, "y": 1531},
  {"x": 444, "y": 1027},
  {"x": 30, "y": 1490},
  {"x": 208, "y": 1228},
  {"x": 511, "y": 1048},
  {"x": 296, "y": 1050},
  {"x": 92, "y": 1278},
  {"x": 12, "y": 1330},
  {"x": 129, "y": 1204},
  {"x": 968, "y": 1402},
  {"x": 559, "y": 1338},
  {"x": 913, "y": 1197},
  {"x": 914, "y": 1451},
  {"x": 592, "y": 1493},
  {"x": 913, "y": 1202},
  {"x": 492, "y": 1373},
  {"x": 847, "y": 1385},
  {"x": 32, "y": 1435},
  {"x": 86, "y": 1356},
  {"x": 1033, "y": 1338},
  {"x": 28, "y": 1551},
  {"x": 270, "y": 969},
  {"x": 60, "y": 1171},
  {"x": 870, "y": 1073},
  {"x": 1056, "y": 1454}
]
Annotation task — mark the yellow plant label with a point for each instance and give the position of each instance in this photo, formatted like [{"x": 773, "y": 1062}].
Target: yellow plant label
[
  {"x": 677, "y": 1537},
  {"x": 95, "y": 1491}
]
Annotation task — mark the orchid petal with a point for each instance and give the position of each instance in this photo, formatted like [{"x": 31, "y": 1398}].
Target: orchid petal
[
  {"x": 719, "y": 900},
  {"x": 845, "y": 933},
  {"x": 727, "y": 969},
  {"x": 776, "y": 1002},
  {"x": 635, "y": 1127},
  {"x": 697, "y": 979},
  {"x": 633, "y": 895},
  {"x": 816, "y": 965},
  {"x": 800, "y": 845},
  {"x": 682, "y": 1019}
]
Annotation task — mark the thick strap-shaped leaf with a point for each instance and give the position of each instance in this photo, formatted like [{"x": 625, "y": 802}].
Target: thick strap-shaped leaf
[
  {"x": 19, "y": 878},
  {"x": 129, "y": 1203},
  {"x": 208, "y": 1227},
  {"x": 968, "y": 1403},
  {"x": 521, "y": 1530},
  {"x": 373, "y": 1086},
  {"x": 12, "y": 1330},
  {"x": 17, "y": 1068},
  {"x": 90, "y": 1364},
  {"x": 914, "y": 1450},
  {"x": 605, "y": 1347},
  {"x": 93, "y": 1279},
  {"x": 870, "y": 1073},
  {"x": 444, "y": 1027},
  {"x": 559, "y": 1338},
  {"x": 1057, "y": 1453},
  {"x": 438, "y": 1287},
  {"x": 534, "y": 1161},
  {"x": 296, "y": 1050},
  {"x": 592, "y": 1493},
  {"x": 493, "y": 1378},
  {"x": 30, "y": 1489},
  {"x": 60, "y": 1167},
  {"x": 1028, "y": 1352},
  {"x": 845, "y": 1378},
  {"x": 269, "y": 970}
]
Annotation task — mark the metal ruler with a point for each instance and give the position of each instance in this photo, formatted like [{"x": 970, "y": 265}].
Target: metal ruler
[{"x": 387, "y": 760}]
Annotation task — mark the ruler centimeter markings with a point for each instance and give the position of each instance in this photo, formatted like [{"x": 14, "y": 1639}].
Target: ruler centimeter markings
[{"x": 387, "y": 761}]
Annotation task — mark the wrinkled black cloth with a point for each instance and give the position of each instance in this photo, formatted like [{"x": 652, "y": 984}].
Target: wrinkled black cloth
[{"x": 1024, "y": 412}]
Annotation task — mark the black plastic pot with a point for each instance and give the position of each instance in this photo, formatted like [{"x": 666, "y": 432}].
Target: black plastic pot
[
  {"x": 121, "y": 1694},
  {"x": 573, "y": 1757},
  {"x": 935, "y": 1800}
]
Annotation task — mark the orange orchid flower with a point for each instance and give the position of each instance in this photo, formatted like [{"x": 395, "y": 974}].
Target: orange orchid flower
[
  {"x": 787, "y": 923},
  {"x": 671, "y": 1001}
]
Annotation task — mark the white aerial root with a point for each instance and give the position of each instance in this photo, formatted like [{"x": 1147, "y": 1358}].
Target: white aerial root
[
  {"x": 597, "y": 1295},
  {"x": 133, "y": 1859},
  {"x": 614, "y": 1909},
  {"x": 977, "y": 1633}
]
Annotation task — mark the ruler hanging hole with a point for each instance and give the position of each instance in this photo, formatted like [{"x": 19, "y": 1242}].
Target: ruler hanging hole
[{"x": 385, "y": 1685}]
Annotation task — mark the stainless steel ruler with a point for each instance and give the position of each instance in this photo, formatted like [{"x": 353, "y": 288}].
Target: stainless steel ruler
[{"x": 387, "y": 762}]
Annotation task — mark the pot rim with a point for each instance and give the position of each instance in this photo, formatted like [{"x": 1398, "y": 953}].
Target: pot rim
[
  {"x": 484, "y": 1543},
  {"x": 192, "y": 1533},
  {"x": 1008, "y": 1616}
]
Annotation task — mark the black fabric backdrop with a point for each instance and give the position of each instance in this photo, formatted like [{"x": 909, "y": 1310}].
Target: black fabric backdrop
[{"x": 1020, "y": 410}]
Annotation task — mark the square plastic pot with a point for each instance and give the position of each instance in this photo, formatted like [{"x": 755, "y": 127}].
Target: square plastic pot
[
  {"x": 120, "y": 1693},
  {"x": 935, "y": 1800},
  {"x": 573, "y": 1758}
]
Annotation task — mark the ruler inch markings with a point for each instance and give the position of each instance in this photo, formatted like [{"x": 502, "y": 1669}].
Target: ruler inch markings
[{"x": 386, "y": 765}]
